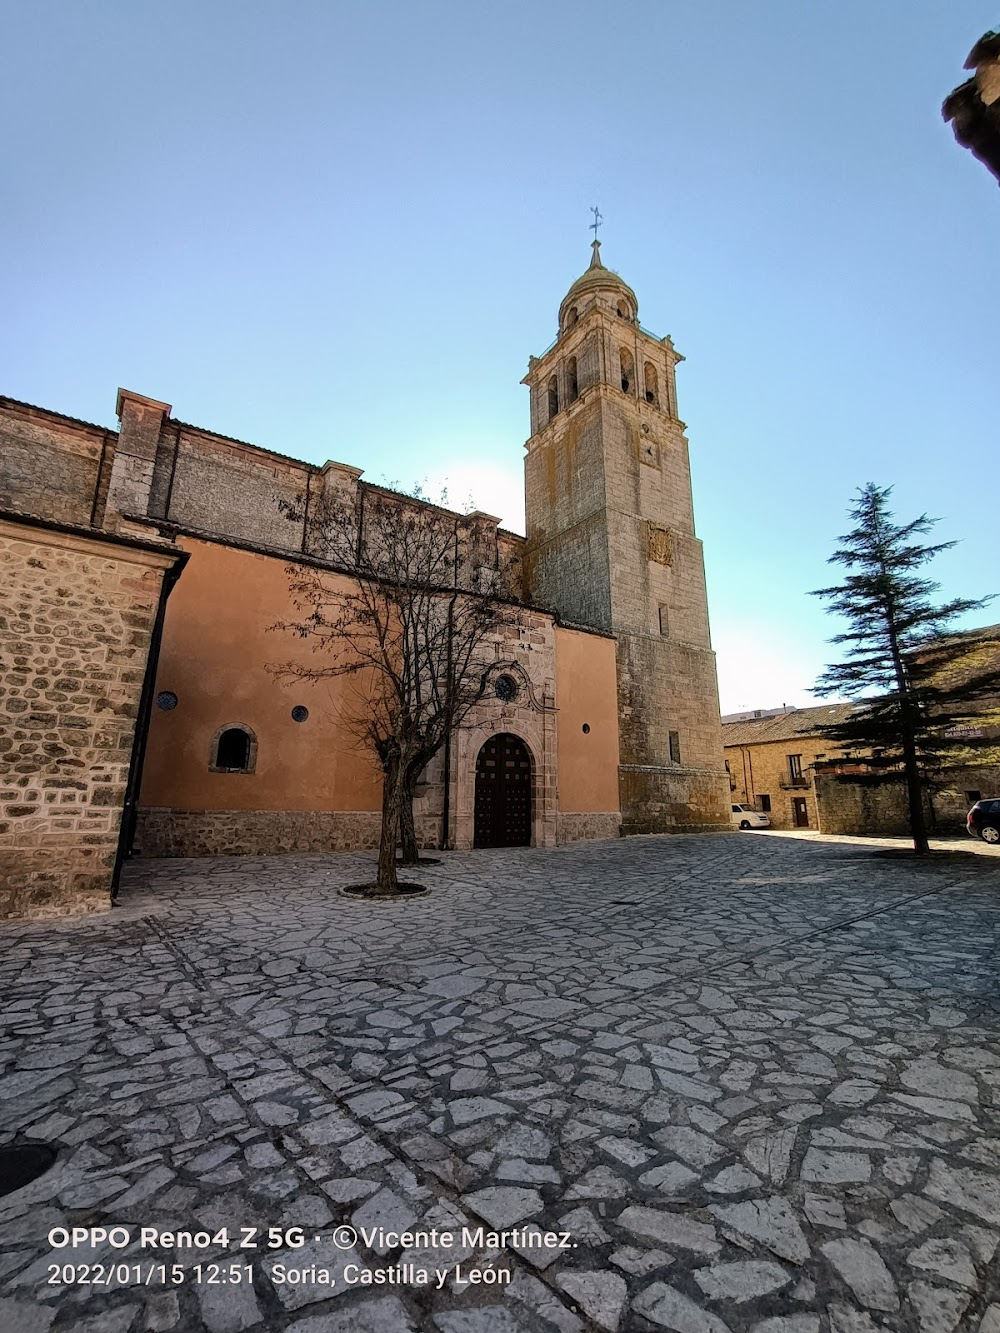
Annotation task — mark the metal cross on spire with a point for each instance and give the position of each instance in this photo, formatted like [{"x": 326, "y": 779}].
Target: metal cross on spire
[{"x": 598, "y": 219}]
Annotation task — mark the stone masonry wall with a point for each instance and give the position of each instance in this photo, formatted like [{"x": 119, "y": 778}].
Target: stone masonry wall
[
  {"x": 156, "y": 467},
  {"x": 51, "y": 465},
  {"x": 183, "y": 833},
  {"x": 180, "y": 833},
  {"x": 611, "y": 543},
  {"x": 242, "y": 492},
  {"x": 76, "y": 617},
  {"x": 863, "y": 806},
  {"x": 763, "y": 770},
  {"x": 955, "y": 793},
  {"x": 857, "y": 805},
  {"x": 585, "y": 827},
  {"x": 566, "y": 557},
  {"x": 202, "y": 482}
]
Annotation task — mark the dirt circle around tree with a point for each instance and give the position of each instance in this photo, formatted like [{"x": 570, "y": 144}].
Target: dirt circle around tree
[{"x": 369, "y": 893}]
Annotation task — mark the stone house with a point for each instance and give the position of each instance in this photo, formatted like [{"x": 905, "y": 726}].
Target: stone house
[
  {"x": 600, "y": 707},
  {"x": 771, "y": 762},
  {"x": 974, "y": 772},
  {"x": 779, "y": 762},
  {"x": 856, "y": 799}
]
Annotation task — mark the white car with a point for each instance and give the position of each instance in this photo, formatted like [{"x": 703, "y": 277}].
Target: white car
[{"x": 745, "y": 816}]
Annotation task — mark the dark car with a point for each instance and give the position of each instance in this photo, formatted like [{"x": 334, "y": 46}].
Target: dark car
[{"x": 984, "y": 821}]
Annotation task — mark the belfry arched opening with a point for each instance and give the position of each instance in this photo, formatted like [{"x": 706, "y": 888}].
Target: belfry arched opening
[{"x": 503, "y": 793}]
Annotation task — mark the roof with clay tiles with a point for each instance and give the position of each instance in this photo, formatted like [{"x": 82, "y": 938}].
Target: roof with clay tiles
[{"x": 786, "y": 726}]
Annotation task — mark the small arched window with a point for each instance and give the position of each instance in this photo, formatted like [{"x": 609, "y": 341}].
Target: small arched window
[
  {"x": 628, "y": 370},
  {"x": 572, "y": 380},
  {"x": 572, "y": 315},
  {"x": 622, "y": 310},
  {"x": 652, "y": 387},
  {"x": 553, "y": 397},
  {"x": 234, "y": 750}
]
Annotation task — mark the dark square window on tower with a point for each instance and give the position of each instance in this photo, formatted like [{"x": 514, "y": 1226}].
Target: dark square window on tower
[{"x": 675, "y": 747}]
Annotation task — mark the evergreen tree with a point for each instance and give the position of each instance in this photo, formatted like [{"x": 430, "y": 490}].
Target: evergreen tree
[{"x": 917, "y": 686}]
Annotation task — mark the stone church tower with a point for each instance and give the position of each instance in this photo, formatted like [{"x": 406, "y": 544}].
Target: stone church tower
[{"x": 611, "y": 544}]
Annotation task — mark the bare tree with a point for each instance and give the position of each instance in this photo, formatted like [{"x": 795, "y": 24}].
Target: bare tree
[{"x": 412, "y": 626}]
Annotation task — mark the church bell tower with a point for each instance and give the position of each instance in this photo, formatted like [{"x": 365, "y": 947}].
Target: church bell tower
[{"x": 611, "y": 544}]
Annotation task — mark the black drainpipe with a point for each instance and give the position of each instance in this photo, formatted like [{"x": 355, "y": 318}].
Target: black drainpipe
[{"x": 130, "y": 810}]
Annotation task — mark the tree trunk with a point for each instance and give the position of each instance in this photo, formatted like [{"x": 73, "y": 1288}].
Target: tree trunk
[
  {"x": 908, "y": 730},
  {"x": 391, "y": 796},
  {"x": 914, "y": 790},
  {"x": 409, "y": 855}
]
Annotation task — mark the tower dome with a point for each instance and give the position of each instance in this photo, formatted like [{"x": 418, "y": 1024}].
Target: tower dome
[{"x": 598, "y": 280}]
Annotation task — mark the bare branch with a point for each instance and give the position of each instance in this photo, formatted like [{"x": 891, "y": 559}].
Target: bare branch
[{"x": 403, "y": 624}]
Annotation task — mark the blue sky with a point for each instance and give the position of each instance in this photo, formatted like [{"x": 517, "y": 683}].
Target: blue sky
[{"x": 340, "y": 230}]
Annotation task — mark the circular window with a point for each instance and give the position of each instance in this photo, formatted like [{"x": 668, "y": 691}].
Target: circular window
[
  {"x": 166, "y": 700},
  {"x": 300, "y": 713},
  {"x": 505, "y": 688},
  {"x": 586, "y": 728}
]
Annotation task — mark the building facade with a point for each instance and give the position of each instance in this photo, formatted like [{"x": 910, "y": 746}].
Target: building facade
[
  {"x": 611, "y": 543},
  {"x": 771, "y": 762},
  {"x": 780, "y": 763},
  {"x": 599, "y": 711},
  {"x": 82, "y": 605}
]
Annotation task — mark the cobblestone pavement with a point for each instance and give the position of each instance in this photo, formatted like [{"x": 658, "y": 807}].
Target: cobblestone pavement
[{"x": 756, "y": 1081}]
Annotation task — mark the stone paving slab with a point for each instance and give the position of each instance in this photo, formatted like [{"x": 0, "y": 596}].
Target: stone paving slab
[{"x": 751, "y": 1081}]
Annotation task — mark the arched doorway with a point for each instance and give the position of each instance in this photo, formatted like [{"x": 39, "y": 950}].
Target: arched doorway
[{"x": 503, "y": 793}]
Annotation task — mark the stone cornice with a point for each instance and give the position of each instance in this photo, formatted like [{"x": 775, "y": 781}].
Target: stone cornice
[{"x": 93, "y": 541}]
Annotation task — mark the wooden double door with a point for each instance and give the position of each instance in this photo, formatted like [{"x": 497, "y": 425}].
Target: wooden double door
[{"x": 503, "y": 793}]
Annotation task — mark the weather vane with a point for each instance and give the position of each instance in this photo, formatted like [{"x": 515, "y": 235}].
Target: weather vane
[{"x": 598, "y": 219}]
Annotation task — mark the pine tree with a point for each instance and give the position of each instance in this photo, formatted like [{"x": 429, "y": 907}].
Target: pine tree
[{"x": 914, "y": 682}]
